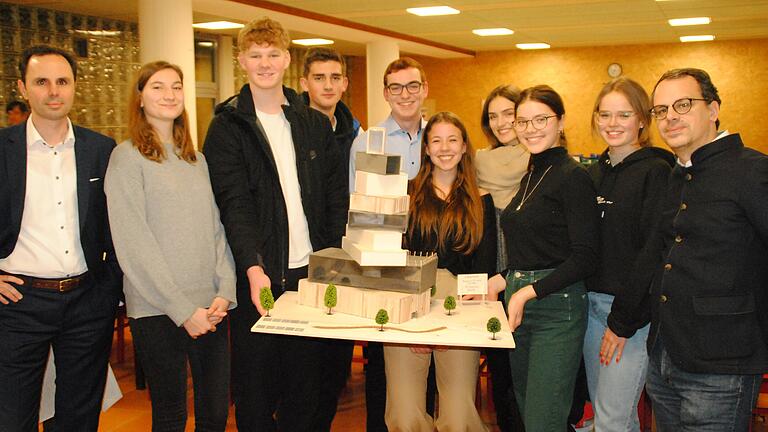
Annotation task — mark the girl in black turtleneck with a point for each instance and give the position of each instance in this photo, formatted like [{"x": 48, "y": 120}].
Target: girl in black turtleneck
[{"x": 552, "y": 233}]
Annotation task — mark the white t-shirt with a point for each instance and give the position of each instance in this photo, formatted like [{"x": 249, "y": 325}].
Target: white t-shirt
[{"x": 279, "y": 136}]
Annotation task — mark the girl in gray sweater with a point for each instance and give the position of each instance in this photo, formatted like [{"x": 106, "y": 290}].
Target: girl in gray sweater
[{"x": 179, "y": 273}]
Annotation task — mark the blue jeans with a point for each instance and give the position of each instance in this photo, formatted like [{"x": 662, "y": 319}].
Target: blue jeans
[
  {"x": 548, "y": 351},
  {"x": 614, "y": 389},
  {"x": 688, "y": 402},
  {"x": 163, "y": 350}
]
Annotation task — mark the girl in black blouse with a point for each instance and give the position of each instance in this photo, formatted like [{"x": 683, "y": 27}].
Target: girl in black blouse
[
  {"x": 447, "y": 216},
  {"x": 551, "y": 228}
]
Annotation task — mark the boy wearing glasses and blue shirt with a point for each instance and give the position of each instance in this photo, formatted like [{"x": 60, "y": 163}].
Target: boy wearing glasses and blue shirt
[{"x": 405, "y": 88}]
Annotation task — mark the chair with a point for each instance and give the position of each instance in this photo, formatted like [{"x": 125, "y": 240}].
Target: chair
[
  {"x": 483, "y": 372},
  {"x": 760, "y": 411}
]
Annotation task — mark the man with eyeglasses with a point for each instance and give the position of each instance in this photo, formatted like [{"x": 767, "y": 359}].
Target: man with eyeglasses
[
  {"x": 405, "y": 88},
  {"x": 706, "y": 268}
]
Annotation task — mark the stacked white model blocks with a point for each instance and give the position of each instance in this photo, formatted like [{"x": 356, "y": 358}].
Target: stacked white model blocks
[
  {"x": 378, "y": 209},
  {"x": 372, "y": 271}
]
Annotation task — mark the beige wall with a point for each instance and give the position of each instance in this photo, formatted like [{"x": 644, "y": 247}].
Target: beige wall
[{"x": 738, "y": 68}]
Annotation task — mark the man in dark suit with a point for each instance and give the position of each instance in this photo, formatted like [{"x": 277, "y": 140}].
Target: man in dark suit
[{"x": 59, "y": 279}]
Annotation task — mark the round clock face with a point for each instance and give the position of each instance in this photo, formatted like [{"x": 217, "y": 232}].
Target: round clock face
[{"x": 614, "y": 70}]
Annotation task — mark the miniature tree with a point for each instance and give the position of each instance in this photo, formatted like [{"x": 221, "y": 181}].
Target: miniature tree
[
  {"x": 449, "y": 304},
  {"x": 382, "y": 317},
  {"x": 266, "y": 299},
  {"x": 330, "y": 297},
  {"x": 432, "y": 291},
  {"x": 494, "y": 326}
]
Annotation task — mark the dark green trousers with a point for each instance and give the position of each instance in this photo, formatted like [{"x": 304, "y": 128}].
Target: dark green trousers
[{"x": 548, "y": 352}]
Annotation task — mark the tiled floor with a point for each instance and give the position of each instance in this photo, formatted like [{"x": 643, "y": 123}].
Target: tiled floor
[{"x": 133, "y": 412}]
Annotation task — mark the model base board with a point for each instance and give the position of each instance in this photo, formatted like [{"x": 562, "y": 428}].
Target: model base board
[{"x": 465, "y": 327}]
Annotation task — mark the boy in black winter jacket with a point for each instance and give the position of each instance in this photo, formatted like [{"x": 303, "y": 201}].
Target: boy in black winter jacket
[{"x": 276, "y": 173}]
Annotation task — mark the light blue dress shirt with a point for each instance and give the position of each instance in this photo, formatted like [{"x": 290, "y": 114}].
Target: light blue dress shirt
[{"x": 398, "y": 142}]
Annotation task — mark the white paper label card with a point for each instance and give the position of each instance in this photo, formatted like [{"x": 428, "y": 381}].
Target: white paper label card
[
  {"x": 376, "y": 140},
  {"x": 476, "y": 283}
]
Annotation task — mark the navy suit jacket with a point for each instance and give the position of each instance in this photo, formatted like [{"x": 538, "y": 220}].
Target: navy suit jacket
[{"x": 92, "y": 151}]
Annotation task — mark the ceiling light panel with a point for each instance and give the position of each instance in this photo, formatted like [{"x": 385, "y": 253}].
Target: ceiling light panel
[
  {"x": 493, "y": 32},
  {"x": 689, "y": 21},
  {"x": 532, "y": 46},
  {"x": 312, "y": 42},
  {"x": 218, "y": 25},
  {"x": 697, "y": 38},
  {"x": 433, "y": 11}
]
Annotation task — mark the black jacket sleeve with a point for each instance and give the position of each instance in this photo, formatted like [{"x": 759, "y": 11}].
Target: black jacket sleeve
[
  {"x": 485, "y": 255},
  {"x": 227, "y": 165},
  {"x": 631, "y": 309},
  {"x": 337, "y": 193}
]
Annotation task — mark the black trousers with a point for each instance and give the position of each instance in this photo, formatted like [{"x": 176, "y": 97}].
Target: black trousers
[
  {"x": 163, "y": 350},
  {"x": 78, "y": 324},
  {"x": 507, "y": 413},
  {"x": 280, "y": 382}
]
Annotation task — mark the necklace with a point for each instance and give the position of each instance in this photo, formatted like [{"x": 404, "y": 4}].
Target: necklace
[{"x": 527, "y": 195}]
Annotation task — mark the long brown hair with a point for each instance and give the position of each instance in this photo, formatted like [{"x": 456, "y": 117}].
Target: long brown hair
[
  {"x": 143, "y": 134},
  {"x": 462, "y": 216}
]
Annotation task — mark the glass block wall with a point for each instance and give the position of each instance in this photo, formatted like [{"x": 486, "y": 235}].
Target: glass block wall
[{"x": 107, "y": 52}]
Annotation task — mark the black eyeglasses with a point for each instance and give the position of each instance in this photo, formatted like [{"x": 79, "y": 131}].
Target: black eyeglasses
[
  {"x": 681, "y": 106},
  {"x": 538, "y": 123},
  {"x": 413, "y": 87}
]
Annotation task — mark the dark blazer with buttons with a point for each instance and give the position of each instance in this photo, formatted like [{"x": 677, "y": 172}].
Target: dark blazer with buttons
[
  {"x": 709, "y": 287},
  {"x": 92, "y": 152}
]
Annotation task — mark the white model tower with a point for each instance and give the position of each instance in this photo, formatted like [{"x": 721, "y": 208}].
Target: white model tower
[{"x": 378, "y": 209}]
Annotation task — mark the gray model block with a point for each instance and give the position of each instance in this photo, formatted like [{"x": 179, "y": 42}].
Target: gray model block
[
  {"x": 337, "y": 266},
  {"x": 365, "y": 220},
  {"x": 377, "y": 163}
]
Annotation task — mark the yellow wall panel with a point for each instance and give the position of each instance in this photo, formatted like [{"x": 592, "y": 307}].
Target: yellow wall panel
[{"x": 738, "y": 68}]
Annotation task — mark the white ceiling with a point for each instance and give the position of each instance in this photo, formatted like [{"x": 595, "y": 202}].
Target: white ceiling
[{"x": 562, "y": 23}]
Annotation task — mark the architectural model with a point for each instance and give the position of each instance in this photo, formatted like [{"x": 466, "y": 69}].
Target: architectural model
[{"x": 372, "y": 271}]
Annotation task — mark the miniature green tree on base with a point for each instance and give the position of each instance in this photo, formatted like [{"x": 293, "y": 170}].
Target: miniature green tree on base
[
  {"x": 449, "y": 304},
  {"x": 330, "y": 297},
  {"x": 382, "y": 317},
  {"x": 266, "y": 299},
  {"x": 494, "y": 326},
  {"x": 432, "y": 291}
]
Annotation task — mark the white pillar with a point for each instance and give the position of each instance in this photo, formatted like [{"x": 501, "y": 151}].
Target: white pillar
[
  {"x": 165, "y": 33},
  {"x": 378, "y": 55},
  {"x": 225, "y": 77}
]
